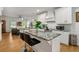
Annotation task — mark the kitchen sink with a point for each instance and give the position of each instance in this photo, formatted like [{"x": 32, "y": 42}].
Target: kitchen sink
[{"x": 34, "y": 41}]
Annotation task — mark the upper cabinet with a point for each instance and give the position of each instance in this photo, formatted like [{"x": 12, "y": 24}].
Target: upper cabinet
[{"x": 63, "y": 15}]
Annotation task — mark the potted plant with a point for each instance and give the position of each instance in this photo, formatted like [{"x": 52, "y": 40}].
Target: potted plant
[{"x": 37, "y": 25}]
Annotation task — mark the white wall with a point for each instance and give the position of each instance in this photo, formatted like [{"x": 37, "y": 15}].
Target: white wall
[{"x": 75, "y": 25}]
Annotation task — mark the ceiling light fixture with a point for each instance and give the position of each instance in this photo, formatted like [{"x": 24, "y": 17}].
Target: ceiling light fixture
[{"x": 38, "y": 10}]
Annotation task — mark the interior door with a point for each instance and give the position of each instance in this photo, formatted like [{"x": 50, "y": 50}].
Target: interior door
[{"x": 3, "y": 26}]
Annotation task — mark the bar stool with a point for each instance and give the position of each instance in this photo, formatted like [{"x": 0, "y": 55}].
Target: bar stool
[
  {"x": 30, "y": 41},
  {"x": 22, "y": 36}
]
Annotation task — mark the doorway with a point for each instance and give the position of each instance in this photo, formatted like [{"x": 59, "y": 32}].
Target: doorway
[{"x": 4, "y": 26}]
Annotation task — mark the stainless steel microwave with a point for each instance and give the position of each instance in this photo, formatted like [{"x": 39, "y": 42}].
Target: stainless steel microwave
[{"x": 60, "y": 28}]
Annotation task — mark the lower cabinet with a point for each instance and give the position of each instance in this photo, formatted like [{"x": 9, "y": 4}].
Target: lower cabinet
[
  {"x": 43, "y": 46},
  {"x": 64, "y": 37},
  {"x": 0, "y": 31},
  {"x": 56, "y": 44}
]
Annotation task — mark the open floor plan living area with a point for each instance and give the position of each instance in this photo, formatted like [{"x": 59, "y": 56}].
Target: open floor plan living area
[{"x": 39, "y": 29}]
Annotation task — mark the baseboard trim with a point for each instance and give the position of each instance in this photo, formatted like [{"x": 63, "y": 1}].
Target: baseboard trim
[
  {"x": 68, "y": 45},
  {"x": 6, "y": 32},
  {"x": 64, "y": 44}
]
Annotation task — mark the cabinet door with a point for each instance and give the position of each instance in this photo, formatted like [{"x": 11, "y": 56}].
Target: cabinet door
[
  {"x": 64, "y": 37},
  {"x": 58, "y": 16},
  {"x": 63, "y": 15}
]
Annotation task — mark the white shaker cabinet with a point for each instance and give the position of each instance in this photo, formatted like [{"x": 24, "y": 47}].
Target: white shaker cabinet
[
  {"x": 56, "y": 44},
  {"x": 64, "y": 37},
  {"x": 63, "y": 15}
]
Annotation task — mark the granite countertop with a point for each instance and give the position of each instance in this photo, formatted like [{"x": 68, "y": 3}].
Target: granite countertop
[{"x": 43, "y": 35}]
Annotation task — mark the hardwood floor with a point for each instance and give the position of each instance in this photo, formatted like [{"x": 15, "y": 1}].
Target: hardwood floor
[
  {"x": 13, "y": 43},
  {"x": 65, "y": 48}
]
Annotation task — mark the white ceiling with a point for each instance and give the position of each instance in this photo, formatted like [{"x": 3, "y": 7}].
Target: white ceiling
[{"x": 23, "y": 11}]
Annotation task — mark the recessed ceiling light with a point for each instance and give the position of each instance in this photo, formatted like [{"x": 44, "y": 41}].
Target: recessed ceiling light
[
  {"x": 47, "y": 17},
  {"x": 38, "y": 10}
]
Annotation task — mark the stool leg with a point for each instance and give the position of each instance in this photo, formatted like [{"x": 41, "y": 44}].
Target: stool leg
[{"x": 25, "y": 48}]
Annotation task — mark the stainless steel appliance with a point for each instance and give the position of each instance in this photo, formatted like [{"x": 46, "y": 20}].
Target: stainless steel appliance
[{"x": 61, "y": 28}]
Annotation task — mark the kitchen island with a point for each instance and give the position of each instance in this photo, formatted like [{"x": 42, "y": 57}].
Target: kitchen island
[{"x": 48, "y": 41}]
